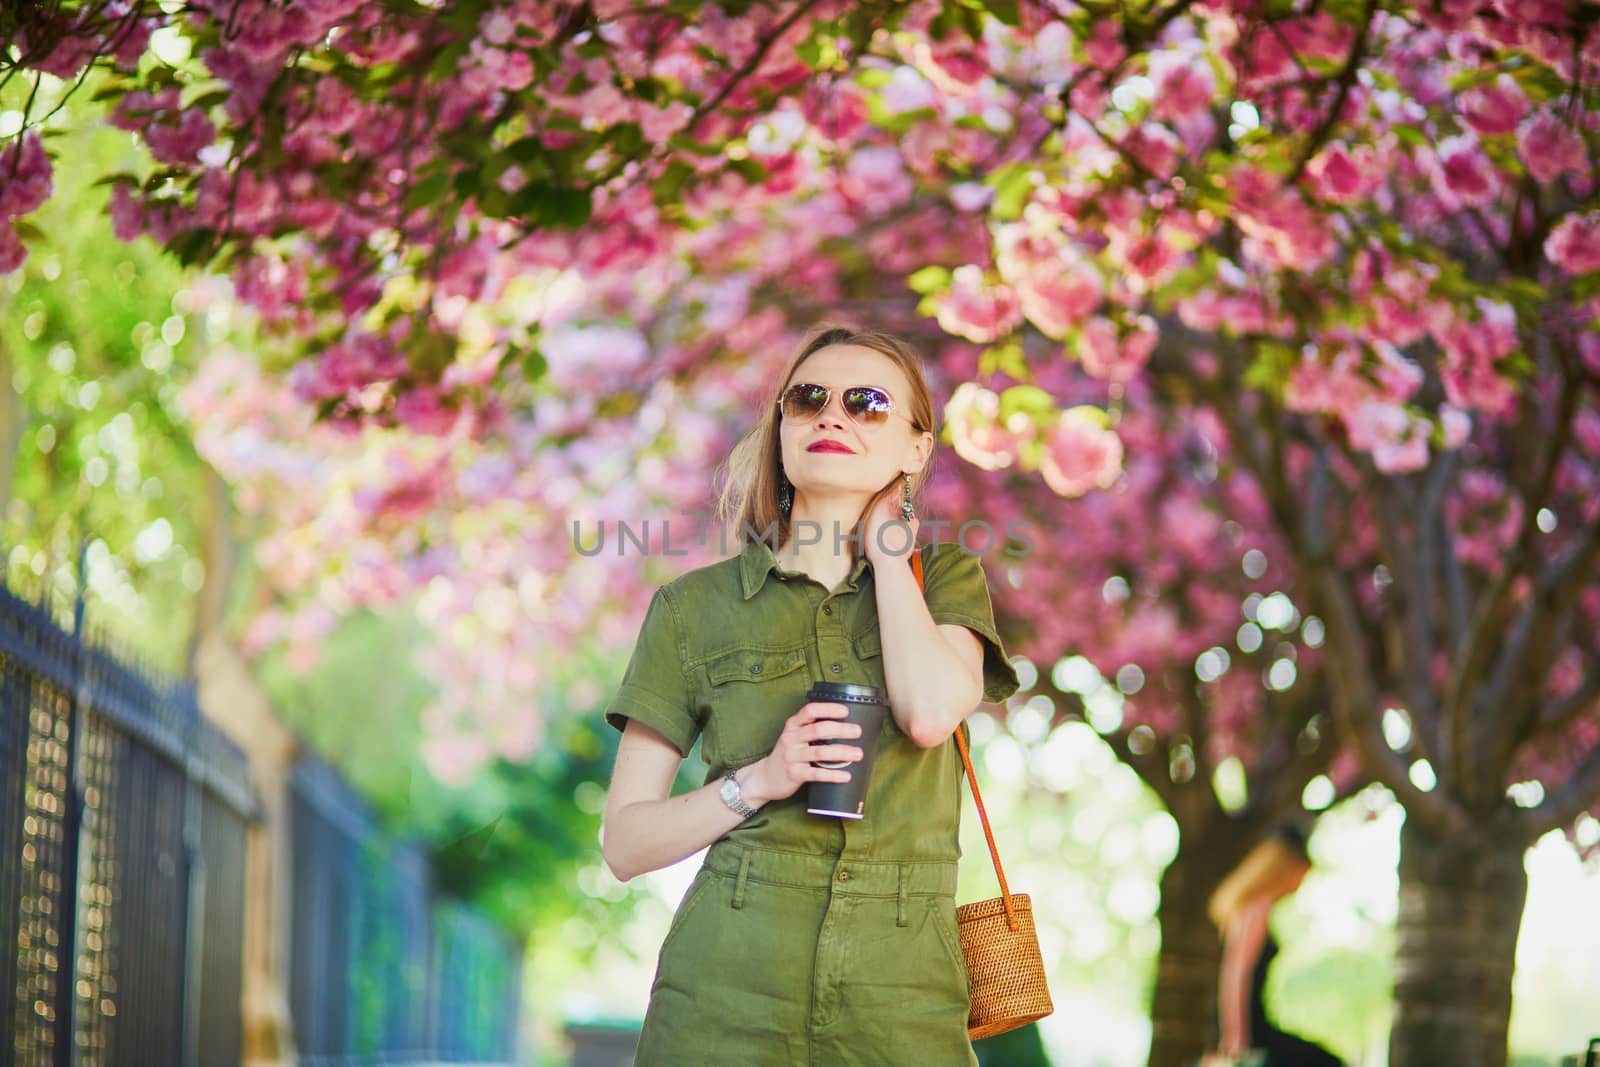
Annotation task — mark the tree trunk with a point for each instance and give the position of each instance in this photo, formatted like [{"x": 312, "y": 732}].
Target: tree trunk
[
  {"x": 1183, "y": 1009},
  {"x": 1461, "y": 901},
  {"x": 220, "y": 555}
]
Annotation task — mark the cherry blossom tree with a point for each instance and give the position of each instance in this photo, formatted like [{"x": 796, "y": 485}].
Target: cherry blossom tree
[{"x": 1343, "y": 251}]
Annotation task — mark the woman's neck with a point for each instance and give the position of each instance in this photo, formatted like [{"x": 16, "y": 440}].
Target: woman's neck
[{"x": 819, "y": 539}]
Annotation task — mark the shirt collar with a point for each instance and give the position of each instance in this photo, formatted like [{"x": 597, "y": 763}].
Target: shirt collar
[{"x": 757, "y": 560}]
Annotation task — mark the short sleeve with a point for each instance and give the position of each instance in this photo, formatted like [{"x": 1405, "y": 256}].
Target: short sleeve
[
  {"x": 958, "y": 594},
  {"x": 654, "y": 689}
]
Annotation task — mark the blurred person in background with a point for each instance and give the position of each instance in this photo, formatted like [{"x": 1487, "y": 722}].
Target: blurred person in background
[{"x": 1241, "y": 907}]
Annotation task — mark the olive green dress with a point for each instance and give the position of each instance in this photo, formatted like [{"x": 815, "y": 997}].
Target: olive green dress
[{"x": 806, "y": 940}]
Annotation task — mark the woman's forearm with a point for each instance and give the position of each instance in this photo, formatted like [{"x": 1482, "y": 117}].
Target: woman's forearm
[
  {"x": 648, "y": 835},
  {"x": 1241, "y": 946}
]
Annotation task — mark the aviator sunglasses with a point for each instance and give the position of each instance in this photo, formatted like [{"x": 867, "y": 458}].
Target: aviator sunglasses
[{"x": 865, "y": 404}]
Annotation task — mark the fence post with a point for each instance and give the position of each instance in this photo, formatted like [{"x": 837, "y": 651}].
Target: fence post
[
  {"x": 194, "y": 925},
  {"x": 68, "y": 898}
]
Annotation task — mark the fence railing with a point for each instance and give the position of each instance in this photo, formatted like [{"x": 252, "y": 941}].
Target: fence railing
[
  {"x": 423, "y": 979},
  {"x": 124, "y": 817},
  {"x": 122, "y": 827}
]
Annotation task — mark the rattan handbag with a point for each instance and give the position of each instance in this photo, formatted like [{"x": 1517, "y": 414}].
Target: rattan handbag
[{"x": 997, "y": 936}]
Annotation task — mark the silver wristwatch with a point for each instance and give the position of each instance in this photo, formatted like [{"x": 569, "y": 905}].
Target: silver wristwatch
[{"x": 733, "y": 796}]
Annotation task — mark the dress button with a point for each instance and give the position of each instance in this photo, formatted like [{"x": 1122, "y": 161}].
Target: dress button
[
  {"x": 755, "y": 668},
  {"x": 836, "y": 668},
  {"x": 827, "y": 609},
  {"x": 844, "y": 876}
]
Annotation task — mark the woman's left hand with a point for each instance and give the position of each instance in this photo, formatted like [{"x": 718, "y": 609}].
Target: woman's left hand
[{"x": 883, "y": 517}]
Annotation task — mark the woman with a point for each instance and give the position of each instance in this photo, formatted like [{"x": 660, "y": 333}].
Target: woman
[
  {"x": 806, "y": 939},
  {"x": 1240, "y": 907}
]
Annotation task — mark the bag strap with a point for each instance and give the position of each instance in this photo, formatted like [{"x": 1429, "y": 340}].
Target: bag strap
[{"x": 972, "y": 780}]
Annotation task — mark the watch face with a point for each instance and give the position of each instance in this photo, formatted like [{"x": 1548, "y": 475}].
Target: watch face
[{"x": 730, "y": 790}]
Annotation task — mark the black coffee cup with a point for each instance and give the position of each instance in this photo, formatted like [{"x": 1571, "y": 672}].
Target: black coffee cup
[{"x": 867, "y": 705}]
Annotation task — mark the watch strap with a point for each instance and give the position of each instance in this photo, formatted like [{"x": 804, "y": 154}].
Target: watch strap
[{"x": 734, "y": 797}]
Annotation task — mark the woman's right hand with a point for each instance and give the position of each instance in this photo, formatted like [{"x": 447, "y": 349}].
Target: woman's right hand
[{"x": 789, "y": 765}]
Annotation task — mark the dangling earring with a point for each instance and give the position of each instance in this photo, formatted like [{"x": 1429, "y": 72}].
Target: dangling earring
[
  {"x": 785, "y": 495},
  {"x": 906, "y": 512}
]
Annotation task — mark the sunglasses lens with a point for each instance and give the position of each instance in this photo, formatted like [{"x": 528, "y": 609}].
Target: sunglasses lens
[
  {"x": 867, "y": 405},
  {"x": 803, "y": 401}
]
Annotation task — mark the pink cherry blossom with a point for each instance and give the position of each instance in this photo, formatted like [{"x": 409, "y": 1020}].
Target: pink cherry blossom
[
  {"x": 972, "y": 415},
  {"x": 977, "y": 309},
  {"x": 875, "y": 179},
  {"x": 12, "y": 251},
  {"x": 1495, "y": 108},
  {"x": 1455, "y": 424},
  {"x": 1107, "y": 354},
  {"x": 1104, "y": 48},
  {"x": 1056, "y": 303},
  {"x": 1079, "y": 454},
  {"x": 1396, "y": 438},
  {"x": 1463, "y": 174},
  {"x": 25, "y": 180},
  {"x": 1549, "y": 147},
  {"x": 1342, "y": 176},
  {"x": 1184, "y": 83},
  {"x": 1574, "y": 243}
]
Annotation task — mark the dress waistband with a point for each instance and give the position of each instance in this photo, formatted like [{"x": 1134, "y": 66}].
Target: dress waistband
[{"x": 808, "y": 870}]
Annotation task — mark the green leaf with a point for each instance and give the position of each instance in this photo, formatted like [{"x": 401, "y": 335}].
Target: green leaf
[
  {"x": 895, "y": 121},
  {"x": 1411, "y": 135},
  {"x": 650, "y": 89},
  {"x": 494, "y": 201},
  {"x": 26, "y": 231},
  {"x": 526, "y": 149},
  {"x": 567, "y": 208},
  {"x": 1271, "y": 366},
  {"x": 751, "y": 170},
  {"x": 192, "y": 244},
  {"x": 129, "y": 180},
  {"x": 626, "y": 139},
  {"x": 534, "y": 365},
  {"x": 1029, "y": 400},
  {"x": 669, "y": 187},
  {"x": 688, "y": 144},
  {"x": 467, "y": 183},
  {"x": 210, "y": 100},
  {"x": 1005, "y": 10},
  {"x": 1013, "y": 185},
  {"x": 810, "y": 53},
  {"x": 557, "y": 206},
  {"x": 929, "y": 280},
  {"x": 427, "y": 190}
]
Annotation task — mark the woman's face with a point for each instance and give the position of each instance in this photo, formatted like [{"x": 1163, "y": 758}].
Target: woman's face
[{"x": 876, "y": 454}]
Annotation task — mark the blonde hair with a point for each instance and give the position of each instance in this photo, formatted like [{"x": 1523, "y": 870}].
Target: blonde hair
[
  {"x": 1268, "y": 868},
  {"x": 749, "y": 498}
]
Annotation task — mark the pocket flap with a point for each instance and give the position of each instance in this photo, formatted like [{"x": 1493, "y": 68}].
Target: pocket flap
[
  {"x": 753, "y": 664},
  {"x": 868, "y": 643}
]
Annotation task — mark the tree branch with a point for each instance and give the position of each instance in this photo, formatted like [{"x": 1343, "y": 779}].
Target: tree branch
[
  {"x": 1561, "y": 713},
  {"x": 1487, "y": 626},
  {"x": 1576, "y": 795},
  {"x": 1347, "y": 77}
]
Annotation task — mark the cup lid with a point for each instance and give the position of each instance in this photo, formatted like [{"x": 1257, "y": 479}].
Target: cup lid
[{"x": 848, "y": 693}]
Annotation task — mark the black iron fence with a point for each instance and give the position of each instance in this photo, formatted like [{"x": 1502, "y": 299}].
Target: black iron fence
[
  {"x": 122, "y": 828},
  {"x": 382, "y": 970},
  {"x": 123, "y": 822}
]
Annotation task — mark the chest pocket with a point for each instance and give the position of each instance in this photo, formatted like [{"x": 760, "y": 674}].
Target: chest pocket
[
  {"x": 749, "y": 693},
  {"x": 868, "y": 646}
]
